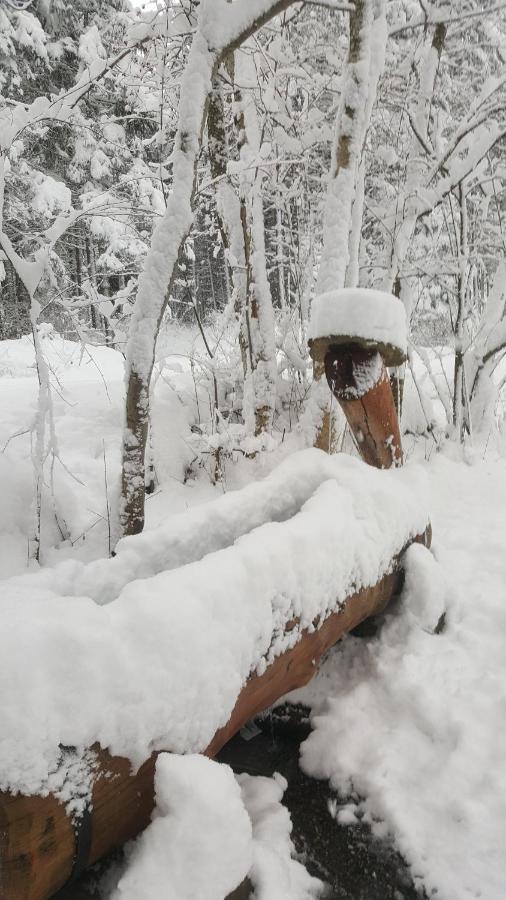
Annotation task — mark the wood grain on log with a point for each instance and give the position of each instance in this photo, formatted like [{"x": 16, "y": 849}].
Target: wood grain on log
[
  {"x": 359, "y": 381},
  {"x": 41, "y": 848}
]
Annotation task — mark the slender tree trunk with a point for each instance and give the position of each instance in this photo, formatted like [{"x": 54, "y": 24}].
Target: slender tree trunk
[
  {"x": 485, "y": 353},
  {"x": 92, "y": 278},
  {"x": 10, "y": 312},
  {"x": 228, "y": 204},
  {"x": 365, "y": 61},
  {"x": 78, "y": 255},
  {"x": 15, "y": 312},
  {"x": 352, "y": 271},
  {"x": 407, "y": 208},
  {"x": 156, "y": 280},
  {"x": 397, "y": 375},
  {"x": 458, "y": 380},
  {"x": 260, "y": 384},
  {"x": 351, "y": 129},
  {"x": 280, "y": 260}
]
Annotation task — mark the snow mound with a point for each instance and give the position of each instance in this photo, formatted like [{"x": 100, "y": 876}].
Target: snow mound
[
  {"x": 198, "y": 845},
  {"x": 373, "y": 318},
  {"x": 79, "y": 361},
  {"x": 208, "y": 832},
  {"x": 87, "y": 400},
  {"x": 275, "y": 874},
  {"x": 187, "y": 537}
]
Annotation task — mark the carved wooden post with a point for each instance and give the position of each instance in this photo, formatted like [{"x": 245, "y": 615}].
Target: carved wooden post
[{"x": 356, "y": 333}]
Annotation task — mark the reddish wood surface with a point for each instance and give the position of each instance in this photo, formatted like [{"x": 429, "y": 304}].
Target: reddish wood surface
[
  {"x": 371, "y": 415},
  {"x": 37, "y": 840}
]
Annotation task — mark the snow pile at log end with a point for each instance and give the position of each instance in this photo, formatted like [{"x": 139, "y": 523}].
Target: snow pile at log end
[
  {"x": 199, "y": 843},
  {"x": 274, "y": 873},
  {"x": 209, "y": 832},
  {"x": 371, "y": 318}
]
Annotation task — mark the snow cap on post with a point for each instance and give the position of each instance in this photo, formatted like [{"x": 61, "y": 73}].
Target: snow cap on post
[{"x": 373, "y": 320}]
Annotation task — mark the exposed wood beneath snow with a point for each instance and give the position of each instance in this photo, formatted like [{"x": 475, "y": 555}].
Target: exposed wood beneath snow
[
  {"x": 41, "y": 848},
  {"x": 359, "y": 381}
]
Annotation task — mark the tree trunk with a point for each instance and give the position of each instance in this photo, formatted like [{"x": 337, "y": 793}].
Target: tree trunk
[
  {"x": 227, "y": 204},
  {"x": 359, "y": 90},
  {"x": 156, "y": 279},
  {"x": 458, "y": 379},
  {"x": 15, "y": 311},
  {"x": 407, "y": 207},
  {"x": 92, "y": 277},
  {"x": 260, "y": 383},
  {"x": 397, "y": 375}
]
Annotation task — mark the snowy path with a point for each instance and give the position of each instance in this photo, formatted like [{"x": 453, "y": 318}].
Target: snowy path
[{"x": 417, "y": 721}]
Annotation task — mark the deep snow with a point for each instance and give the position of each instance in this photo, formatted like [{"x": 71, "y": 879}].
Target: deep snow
[
  {"x": 88, "y": 387},
  {"x": 415, "y": 721}
]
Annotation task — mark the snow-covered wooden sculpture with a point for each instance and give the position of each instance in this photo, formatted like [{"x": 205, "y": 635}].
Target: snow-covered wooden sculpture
[{"x": 356, "y": 333}]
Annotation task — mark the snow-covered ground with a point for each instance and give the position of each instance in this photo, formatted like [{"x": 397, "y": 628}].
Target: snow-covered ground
[
  {"x": 414, "y": 721},
  {"x": 88, "y": 387}
]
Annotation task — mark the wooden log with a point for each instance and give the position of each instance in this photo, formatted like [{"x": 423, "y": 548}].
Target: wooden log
[
  {"x": 358, "y": 379},
  {"x": 41, "y": 848}
]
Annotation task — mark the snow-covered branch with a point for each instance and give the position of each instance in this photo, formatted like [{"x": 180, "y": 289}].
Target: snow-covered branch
[{"x": 425, "y": 21}]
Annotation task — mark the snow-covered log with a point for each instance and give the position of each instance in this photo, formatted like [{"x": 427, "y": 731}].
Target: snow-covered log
[
  {"x": 180, "y": 660},
  {"x": 42, "y": 848}
]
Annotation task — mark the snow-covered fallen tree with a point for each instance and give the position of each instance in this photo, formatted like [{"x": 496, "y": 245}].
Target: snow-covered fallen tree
[{"x": 179, "y": 660}]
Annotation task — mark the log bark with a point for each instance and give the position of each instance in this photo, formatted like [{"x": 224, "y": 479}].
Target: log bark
[
  {"x": 359, "y": 381},
  {"x": 41, "y": 848}
]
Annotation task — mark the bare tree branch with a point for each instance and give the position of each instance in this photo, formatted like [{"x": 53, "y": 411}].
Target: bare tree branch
[{"x": 424, "y": 21}]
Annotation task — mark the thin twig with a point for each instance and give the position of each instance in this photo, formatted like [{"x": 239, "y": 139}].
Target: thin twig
[{"x": 107, "y": 500}]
